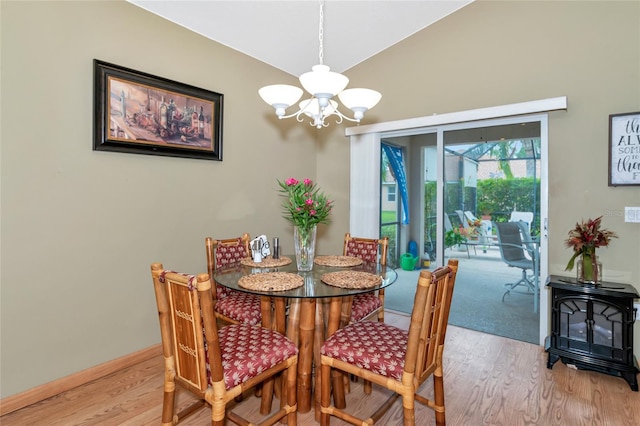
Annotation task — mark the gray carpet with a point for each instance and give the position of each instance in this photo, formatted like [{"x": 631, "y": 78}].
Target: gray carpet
[{"x": 477, "y": 298}]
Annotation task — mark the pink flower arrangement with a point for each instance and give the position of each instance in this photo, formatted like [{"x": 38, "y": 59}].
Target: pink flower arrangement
[{"x": 305, "y": 205}]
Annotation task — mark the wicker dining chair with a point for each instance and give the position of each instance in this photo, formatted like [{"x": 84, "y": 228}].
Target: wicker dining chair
[
  {"x": 393, "y": 358},
  {"x": 217, "y": 365},
  {"x": 231, "y": 306},
  {"x": 368, "y": 305}
]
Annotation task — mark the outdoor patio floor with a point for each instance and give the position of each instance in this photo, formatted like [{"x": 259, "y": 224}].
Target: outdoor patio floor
[{"x": 477, "y": 298}]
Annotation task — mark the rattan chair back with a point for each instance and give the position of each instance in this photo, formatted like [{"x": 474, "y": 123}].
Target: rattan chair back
[
  {"x": 367, "y": 249},
  {"x": 373, "y": 250},
  {"x": 193, "y": 352},
  {"x": 222, "y": 253}
]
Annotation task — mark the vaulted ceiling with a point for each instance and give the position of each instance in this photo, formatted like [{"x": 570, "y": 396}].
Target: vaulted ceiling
[{"x": 285, "y": 34}]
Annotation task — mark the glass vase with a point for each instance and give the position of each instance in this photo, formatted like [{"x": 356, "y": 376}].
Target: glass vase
[
  {"x": 304, "y": 243},
  {"x": 589, "y": 268}
]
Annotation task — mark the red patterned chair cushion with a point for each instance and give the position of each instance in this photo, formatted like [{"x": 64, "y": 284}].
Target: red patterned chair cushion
[
  {"x": 223, "y": 292},
  {"x": 249, "y": 350},
  {"x": 239, "y": 306},
  {"x": 226, "y": 254},
  {"x": 374, "y": 346},
  {"x": 364, "y": 250},
  {"x": 363, "y": 305}
]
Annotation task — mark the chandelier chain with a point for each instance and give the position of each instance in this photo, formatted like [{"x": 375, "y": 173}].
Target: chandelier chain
[{"x": 321, "y": 33}]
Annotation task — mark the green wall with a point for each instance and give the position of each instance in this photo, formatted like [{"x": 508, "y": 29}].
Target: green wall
[{"x": 80, "y": 228}]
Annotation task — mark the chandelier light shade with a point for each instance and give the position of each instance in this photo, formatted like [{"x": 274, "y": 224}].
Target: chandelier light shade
[
  {"x": 322, "y": 84},
  {"x": 359, "y": 100},
  {"x": 280, "y": 96}
]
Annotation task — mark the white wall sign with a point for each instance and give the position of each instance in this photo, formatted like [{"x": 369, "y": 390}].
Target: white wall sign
[{"x": 624, "y": 149}]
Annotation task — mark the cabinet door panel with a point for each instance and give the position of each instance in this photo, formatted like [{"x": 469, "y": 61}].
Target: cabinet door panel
[
  {"x": 573, "y": 320},
  {"x": 607, "y": 325}
]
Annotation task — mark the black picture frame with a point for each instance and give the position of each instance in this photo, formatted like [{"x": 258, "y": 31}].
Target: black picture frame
[
  {"x": 139, "y": 113},
  {"x": 624, "y": 149}
]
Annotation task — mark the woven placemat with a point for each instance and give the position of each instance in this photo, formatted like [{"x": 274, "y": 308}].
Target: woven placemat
[
  {"x": 338, "y": 261},
  {"x": 351, "y": 279},
  {"x": 267, "y": 262},
  {"x": 271, "y": 281}
]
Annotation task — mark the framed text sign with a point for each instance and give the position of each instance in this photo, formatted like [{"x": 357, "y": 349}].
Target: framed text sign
[
  {"x": 624, "y": 149},
  {"x": 140, "y": 113}
]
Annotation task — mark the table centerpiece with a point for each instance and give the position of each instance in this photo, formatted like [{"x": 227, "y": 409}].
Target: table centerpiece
[{"x": 305, "y": 206}]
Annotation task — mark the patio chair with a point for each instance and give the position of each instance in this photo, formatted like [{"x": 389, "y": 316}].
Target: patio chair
[
  {"x": 464, "y": 223},
  {"x": 217, "y": 365},
  {"x": 431, "y": 238},
  {"x": 485, "y": 225},
  {"x": 526, "y": 217},
  {"x": 447, "y": 223},
  {"x": 514, "y": 253},
  {"x": 231, "y": 306},
  {"x": 470, "y": 216},
  {"x": 393, "y": 358},
  {"x": 527, "y": 239}
]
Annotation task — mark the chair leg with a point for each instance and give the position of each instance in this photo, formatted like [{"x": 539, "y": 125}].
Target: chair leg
[
  {"x": 366, "y": 386},
  {"x": 325, "y": 394},
  {"x": 290, "y": 394},
  {"x": 169, "y": 400},
  {"x": 337, "y": 381},
  {"x": 168, "y": 404},
  {"x": 266, "y": 396},
  {"x": 381, "y": 310},
  {"x": 347, "y": 383},
  {"x": 218, "y": 413},
  {"x": 524, "y": 280},
  {"x": 409, "y": 410},
  {"x": 438, "y": 390}
]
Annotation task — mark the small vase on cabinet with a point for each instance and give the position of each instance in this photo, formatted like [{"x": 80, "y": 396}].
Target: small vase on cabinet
[
  {"x": 589, "y": 268},
  {"x": 304, "y": 243}
]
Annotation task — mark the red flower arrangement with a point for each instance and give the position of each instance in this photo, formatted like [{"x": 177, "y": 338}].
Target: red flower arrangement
[{"x": 584, "y": 239}]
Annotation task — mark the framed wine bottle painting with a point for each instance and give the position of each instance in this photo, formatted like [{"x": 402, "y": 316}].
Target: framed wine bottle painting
[
  {"x": 624, "y": 149},
  {"x": 136, "y": 112}
]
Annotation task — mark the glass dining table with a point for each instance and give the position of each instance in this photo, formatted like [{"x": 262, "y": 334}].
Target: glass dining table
[{"x": 306, "y": 314}]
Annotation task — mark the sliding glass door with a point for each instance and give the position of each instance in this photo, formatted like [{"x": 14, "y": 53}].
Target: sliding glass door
[{"x": 463, "y": 180}]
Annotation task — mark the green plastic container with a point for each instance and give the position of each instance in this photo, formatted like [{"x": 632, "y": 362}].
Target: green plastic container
[{"x": 408, "y": 262}]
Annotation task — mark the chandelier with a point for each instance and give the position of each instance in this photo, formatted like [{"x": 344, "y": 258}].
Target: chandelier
[{"x": 323, "y": 85}]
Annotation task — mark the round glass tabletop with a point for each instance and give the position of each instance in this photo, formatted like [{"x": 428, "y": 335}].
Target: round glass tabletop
[{"x": 313, "y": 287}]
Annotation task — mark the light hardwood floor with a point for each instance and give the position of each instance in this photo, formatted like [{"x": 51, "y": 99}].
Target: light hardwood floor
[{"x": 489, "y": 380}]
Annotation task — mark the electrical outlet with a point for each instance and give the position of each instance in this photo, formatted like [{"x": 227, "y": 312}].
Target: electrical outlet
[
  {"x": 636, "y": 308},
  {"x": 632, "y": 214}
]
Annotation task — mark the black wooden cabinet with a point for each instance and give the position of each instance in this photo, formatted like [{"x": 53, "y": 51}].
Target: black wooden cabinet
[{"x": 592, "y": 327}]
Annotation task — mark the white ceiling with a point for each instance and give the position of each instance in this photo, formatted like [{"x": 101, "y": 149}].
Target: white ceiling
[{"x": 284, "y": 34}]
